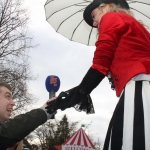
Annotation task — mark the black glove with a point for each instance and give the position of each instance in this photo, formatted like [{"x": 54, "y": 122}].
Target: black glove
[
  {"x": 62, "y": 101},
  {"x": 78, "y": 97},
  {"x": 81, "y": 99},
  {"x": 82, "y": 102},
  {"x": 90, "y": 81}
]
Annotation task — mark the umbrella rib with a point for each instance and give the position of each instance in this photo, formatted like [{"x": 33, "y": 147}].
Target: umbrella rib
[
  {"x": 137, "y": 2},
  {"x": 48, "y": 2},
  {"x": 65, "y": 8},
  {"x": 75, "y": 29},
  {"x": 90, "y": 36},
  {"x": 87, "y": 1},
  {"x": 140, "y": 12},
  {"x": 68, "y": 18}
]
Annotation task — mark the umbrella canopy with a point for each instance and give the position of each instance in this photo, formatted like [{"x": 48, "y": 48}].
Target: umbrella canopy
[
  {"x": 66, "y": 17},
  {"x": 78, "y": 140}
]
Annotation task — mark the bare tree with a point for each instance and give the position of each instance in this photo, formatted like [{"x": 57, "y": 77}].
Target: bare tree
[
  {"x": 15, "y": 43},
  {"x": 14, "y": 40},
  {"x": 98, "y": 144}
]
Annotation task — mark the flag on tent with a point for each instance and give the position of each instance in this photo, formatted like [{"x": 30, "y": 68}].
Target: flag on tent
[{"x": 83, "y": 125}]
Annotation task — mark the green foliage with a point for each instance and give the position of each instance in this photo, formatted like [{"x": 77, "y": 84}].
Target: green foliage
[
  {"x": 54, "y": 133},
  {"x": 62, "y": 132}
]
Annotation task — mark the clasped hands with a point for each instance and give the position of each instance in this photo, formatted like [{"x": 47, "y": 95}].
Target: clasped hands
[{"x": 71, "y": 98}]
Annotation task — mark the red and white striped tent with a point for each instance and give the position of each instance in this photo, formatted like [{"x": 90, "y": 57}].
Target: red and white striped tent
[{"x": 78, "y": 141}]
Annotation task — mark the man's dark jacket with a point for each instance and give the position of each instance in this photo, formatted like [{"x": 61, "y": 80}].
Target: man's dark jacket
[{"x": 16, "y": 129}]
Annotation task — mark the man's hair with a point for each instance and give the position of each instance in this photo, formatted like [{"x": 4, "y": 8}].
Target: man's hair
[{"x": 4, "y": 84}]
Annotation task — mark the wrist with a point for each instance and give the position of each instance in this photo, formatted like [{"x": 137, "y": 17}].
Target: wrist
[
  {"x": 90, "y": 81},
  {"x": 47, "y": 114}
]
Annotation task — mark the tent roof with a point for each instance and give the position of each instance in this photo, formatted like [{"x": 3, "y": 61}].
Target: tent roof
[
  {"x": 79, "y": 138},
  {"x": 58, "y": 147}
]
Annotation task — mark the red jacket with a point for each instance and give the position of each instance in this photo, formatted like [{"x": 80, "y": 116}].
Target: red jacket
[{"x": 123, "y": 48}]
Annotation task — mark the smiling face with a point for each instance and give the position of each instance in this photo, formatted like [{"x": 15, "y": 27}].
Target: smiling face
[
  {"x": 6, "y": 104},
  {"x": 97, "y": 14}
]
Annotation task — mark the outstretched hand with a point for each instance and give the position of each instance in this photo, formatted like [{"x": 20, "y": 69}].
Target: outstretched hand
[
  {"x": 71, "y": 98},
  {"x": 61, "y": 102},
  {"x": 49, "y": 115}
]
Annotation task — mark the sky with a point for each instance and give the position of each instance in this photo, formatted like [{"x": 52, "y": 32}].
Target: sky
[{"x": 56, "y": 55}]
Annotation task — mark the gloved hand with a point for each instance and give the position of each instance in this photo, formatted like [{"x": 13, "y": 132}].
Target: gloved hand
[
  {"x": 81, "y": 99},
  {"x": 49, "y": 115},
  {"x": 72, "y": 98},
  {"x": 78, "y": 97},
  {"x": 62, "y": 101},
  {"x": 82, "y": 102}
]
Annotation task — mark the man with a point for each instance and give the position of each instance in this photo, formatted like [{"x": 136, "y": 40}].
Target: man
[{"x": 14, "y": 130}]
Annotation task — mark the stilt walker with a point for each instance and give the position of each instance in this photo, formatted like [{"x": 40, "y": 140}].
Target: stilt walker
[{"x": 122, "y": 53}]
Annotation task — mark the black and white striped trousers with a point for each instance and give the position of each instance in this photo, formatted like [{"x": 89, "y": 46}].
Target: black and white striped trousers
[{"x": 129, "y": 128}]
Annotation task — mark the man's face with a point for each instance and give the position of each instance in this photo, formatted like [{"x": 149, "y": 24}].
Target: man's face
[{"x": 6, "y": 104}]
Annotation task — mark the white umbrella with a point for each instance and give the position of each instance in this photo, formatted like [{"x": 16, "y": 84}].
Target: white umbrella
[{"x": 66, "y": 17}]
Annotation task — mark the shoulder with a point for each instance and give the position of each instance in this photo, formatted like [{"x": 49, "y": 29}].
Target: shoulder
[
  {"x": 116, "y": 14},
  {"x": 116, "y": 18},
  {"x": 112, "y": 19},
  {"x": 113, "y": 16}
]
